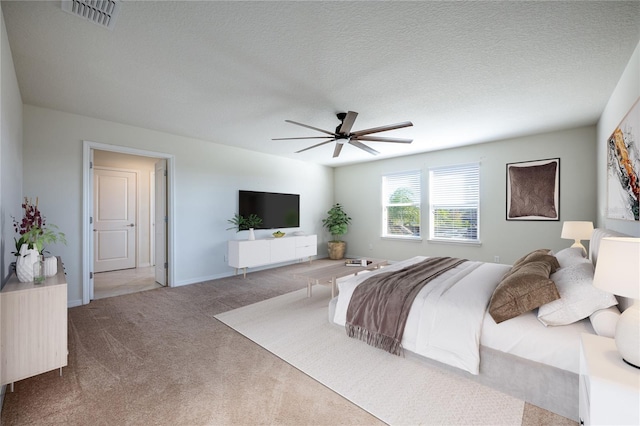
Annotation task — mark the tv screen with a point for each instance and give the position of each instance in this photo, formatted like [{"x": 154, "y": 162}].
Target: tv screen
[{"x": 276, "y": 210}]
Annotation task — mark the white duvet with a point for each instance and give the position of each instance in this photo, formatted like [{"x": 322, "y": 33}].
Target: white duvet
[{"x": 445, "y": 320}]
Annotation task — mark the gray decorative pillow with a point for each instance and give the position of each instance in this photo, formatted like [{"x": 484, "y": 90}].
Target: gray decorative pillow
[
  {"x": 578, "y": 297},
  {"x": 533, "y": 190},
  {"x": 522, "y": 291}
]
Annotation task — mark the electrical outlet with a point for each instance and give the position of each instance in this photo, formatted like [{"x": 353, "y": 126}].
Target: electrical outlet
[{"x": 496, "y": 259}]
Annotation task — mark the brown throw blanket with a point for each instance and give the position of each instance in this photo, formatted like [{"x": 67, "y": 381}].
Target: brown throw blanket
[{"x": 379, "y": 306}]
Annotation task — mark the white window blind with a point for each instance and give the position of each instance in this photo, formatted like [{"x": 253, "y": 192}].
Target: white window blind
[
  {"x": 401, "y": 197},
  {"x": 454, "y": 202}
]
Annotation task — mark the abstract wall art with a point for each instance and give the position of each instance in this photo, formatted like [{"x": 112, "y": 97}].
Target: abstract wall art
[{"x": 623, "y": 168}]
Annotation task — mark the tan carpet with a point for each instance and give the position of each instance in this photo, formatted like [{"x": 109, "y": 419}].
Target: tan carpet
[
  {"x": 397, "y": 390},
  {"x": 160, "y": 357}
]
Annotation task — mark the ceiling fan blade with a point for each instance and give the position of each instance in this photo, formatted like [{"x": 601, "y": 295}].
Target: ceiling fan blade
[
  {"x": 303, "y": 137},
  {"x": 382, "y": 139},
  {"x": 348, "y": 121},
  {"x": 337, "y": 149},
  {"x": 311, "y": 127},
  {"x": 319, "y": 144},
  {"x": 363, "y": 146},
  {"x": 383, "y": 128}
]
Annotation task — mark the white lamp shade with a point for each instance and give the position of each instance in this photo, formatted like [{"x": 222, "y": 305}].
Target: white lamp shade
[
  {"x": 577, "y": 230},
  {"x": 618, "y": 267}
]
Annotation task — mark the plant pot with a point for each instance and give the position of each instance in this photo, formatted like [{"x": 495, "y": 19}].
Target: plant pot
[
  {"x": 337, "y": 249},
  {"x": 24, "y": 263}
]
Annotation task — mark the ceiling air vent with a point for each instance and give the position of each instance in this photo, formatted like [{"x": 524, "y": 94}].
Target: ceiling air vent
[{"x": 101, "y": 12}]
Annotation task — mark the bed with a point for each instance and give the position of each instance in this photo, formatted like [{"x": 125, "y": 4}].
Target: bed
[{"x": 455, "y": 322}]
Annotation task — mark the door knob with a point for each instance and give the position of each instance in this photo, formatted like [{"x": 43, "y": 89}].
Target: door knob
[{"x": 131, "y": 225}]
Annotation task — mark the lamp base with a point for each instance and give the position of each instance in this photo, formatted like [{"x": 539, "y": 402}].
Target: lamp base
[
  {"x": 628, "y": 335},
  {"x": 577, "y": 243},
  {"x": 627, "y": 362}
]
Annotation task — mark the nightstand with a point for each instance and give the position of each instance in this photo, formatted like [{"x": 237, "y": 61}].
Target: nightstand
[{"x": 609, "y": 388}]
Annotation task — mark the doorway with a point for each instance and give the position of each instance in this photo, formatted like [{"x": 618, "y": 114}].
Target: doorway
[{"x": 127, "y": 231}]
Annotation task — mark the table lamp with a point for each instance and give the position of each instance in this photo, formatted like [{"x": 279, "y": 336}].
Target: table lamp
[
  {"x": 618, "y": 272},
  {"x": 577, "y": 230}
]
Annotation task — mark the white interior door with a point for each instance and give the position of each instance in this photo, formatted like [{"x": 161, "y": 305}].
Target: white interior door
[
  {"x": 160, "y": 222},
  {"x": 114, "y": 219}
]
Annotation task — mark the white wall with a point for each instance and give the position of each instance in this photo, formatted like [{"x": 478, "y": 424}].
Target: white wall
[
  {"x": 10, "y": 159},
  {"x": 207, "y": 179},
  {"x": 10, "y": 153},
  {"x": 626, "y": 93},
  {"x": 358, "y": 188}
]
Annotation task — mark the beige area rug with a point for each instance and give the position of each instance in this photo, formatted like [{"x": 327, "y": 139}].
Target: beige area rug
[{"x": 397, "y": 390}]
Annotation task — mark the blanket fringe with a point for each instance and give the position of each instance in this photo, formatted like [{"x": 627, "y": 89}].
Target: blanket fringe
[{"x": 377, "y": 340}]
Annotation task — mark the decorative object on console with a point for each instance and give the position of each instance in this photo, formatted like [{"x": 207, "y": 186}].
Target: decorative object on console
[
  {"x": 577, "y": 230},
  {"x": 24, "y": 264},
  {"x": 278, "y": 234},
  {"x": 242, "y": 223},
  {"x": 33, "y": 229},
  {"x": 337, "y": 223},
  {"x": 34, "y": 234},
  {"x": 50, "y": 266},
  {"x": 618, "y": 272},
  {"x": 533, "y": 190},
  {"x": 623, "y": 168}
]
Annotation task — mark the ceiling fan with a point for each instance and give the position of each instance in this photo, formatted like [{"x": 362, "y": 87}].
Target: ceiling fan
[{"x": 344, "y": 135}]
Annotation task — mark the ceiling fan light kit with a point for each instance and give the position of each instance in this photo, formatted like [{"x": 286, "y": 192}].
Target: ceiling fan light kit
[{"x": 343, "y": 134}]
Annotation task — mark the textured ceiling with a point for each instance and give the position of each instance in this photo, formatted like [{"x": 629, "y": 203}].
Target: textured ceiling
[{"x": 232, "y": 72}]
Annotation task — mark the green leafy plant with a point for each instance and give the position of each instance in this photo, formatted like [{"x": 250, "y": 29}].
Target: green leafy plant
[
  {"x": 241, "y": 223},
  {"x": 337, "y": 221},
  {"x": 37, "y": 237},
  {"x": 33, "y": 229}
]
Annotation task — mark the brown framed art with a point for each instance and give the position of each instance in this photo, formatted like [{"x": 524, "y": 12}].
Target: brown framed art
[{"x": 533, "y": 190}]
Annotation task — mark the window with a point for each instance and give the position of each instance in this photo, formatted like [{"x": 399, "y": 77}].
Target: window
[
  {"x": 454, "y": 203},
  {"x": 401, "y": 205}
]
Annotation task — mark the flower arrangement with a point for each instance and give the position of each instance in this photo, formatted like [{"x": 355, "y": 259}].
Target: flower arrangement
[{"x": 33, "y": 229}]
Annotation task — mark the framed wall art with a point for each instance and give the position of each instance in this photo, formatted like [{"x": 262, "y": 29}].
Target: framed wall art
[
  {"x": 533, "y": 190},
  {"x": 623, "y": 168}
]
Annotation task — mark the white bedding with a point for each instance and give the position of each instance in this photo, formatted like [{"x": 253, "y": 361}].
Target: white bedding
[
  {"x": 453, "y": 325},
  {"x": 449, "y": 329}
]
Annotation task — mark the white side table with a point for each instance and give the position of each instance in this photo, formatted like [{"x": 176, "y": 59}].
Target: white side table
[{"x": 609, "y": 388}]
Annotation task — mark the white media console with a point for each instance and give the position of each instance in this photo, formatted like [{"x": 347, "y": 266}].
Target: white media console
[{"x": 245, "y": 254}]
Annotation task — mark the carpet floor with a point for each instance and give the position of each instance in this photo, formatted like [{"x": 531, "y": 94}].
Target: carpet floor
[{"x": 161, "y": 357}]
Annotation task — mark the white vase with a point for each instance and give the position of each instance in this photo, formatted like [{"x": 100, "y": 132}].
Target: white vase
[
  {"x": 24, "y": 264},
  {"x": 252, "y": 236},
  {"x": 50, "y": 266}
]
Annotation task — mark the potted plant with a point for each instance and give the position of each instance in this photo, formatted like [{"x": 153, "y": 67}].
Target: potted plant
[
  {"x": 34, "y": 233},
  {"x": 241, "y": 223},
  {"x": 336, "y": 222}
]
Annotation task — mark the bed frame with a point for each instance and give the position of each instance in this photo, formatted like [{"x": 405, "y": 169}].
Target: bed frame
[{"x": 548, "y": 387}]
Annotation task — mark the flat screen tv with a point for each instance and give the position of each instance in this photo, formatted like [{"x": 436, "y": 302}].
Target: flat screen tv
[{"x": 276, "y": 210}]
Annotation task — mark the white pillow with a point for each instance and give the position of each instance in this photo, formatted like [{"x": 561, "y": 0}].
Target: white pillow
[
  {"x": 571, "y": 256},
  {"x": 578, "y": 297},
  {"x": 604, "y": 321}
]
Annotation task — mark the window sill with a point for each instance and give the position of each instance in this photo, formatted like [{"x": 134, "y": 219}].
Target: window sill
[
  {"x": 456, "y": 242},
  {"x": 398, "y": 238}
]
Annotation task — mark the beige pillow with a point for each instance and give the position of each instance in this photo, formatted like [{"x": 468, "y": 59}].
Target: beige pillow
[{"x": 522, "y": 291}]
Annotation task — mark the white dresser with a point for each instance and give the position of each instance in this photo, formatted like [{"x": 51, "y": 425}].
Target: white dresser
[
  {"x": 34, "y": 327},
  {"x": 245, "y": 254}
]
